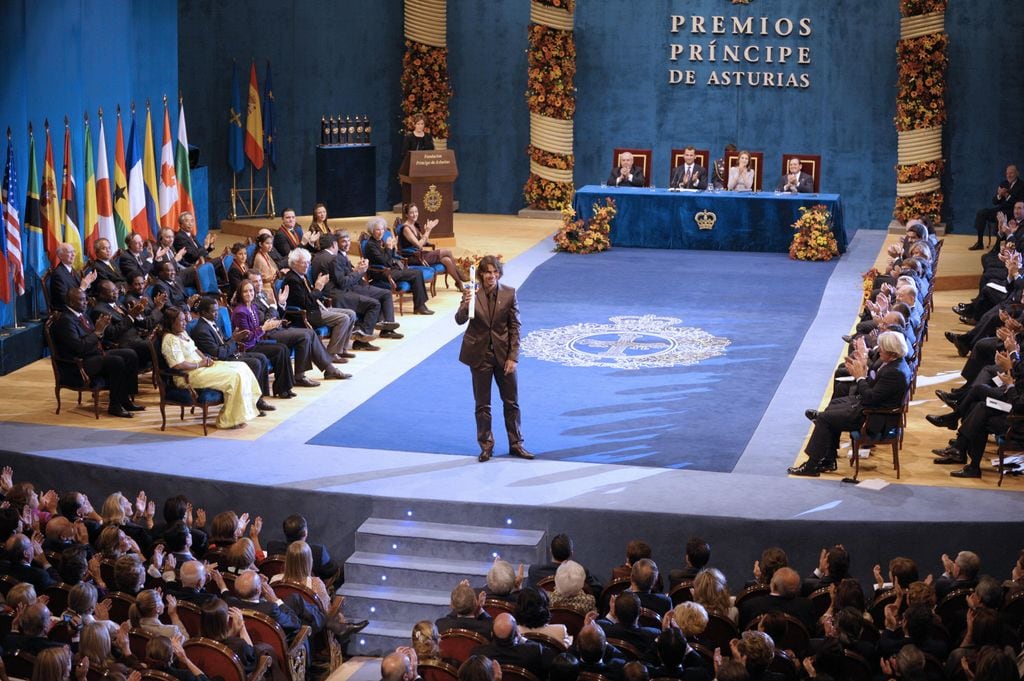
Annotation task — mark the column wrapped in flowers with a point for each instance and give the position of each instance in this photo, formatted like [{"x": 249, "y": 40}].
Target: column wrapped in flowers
[
  {"x": 426, "y": 88},
  {"x": 920, "y": 109},
  {"x": 551, "y": 98}
]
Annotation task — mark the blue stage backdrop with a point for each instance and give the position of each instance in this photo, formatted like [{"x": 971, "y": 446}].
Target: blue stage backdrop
[
  {"x": 65, "y": 57},
  {"x": 330, "y": 58}
]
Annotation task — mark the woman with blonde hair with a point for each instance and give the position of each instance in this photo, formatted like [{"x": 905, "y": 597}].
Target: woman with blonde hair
[
  {"x": 136, "y": 520},
  {"x": 95, "y": 645},
  {"x": 711, "y": 591},
  {"x": 298, "y": 569},
  {"x": 426, "y": 641},
  {"x": 54, "y": 664},
  {"x": 145, "y": 613}
]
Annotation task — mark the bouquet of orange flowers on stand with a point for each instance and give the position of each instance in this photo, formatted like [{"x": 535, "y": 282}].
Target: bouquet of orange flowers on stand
[
  {"x": 592, "y": 236},
  {"x": 813, "y": 239}
]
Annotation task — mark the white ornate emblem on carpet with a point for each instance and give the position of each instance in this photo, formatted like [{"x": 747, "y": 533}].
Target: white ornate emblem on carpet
[{"x": 629, "y": 342}]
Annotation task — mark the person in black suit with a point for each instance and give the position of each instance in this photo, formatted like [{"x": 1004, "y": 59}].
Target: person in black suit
[
  {"x": 22, "y": 553},
  {"x": 192, "y": 578},
  {"x": 127, "y": 326},
  {"x": 625, "y": 174},
  {"x": 796, "y": 181},
  {"x": 341, "y": 280},
  {"x": 104, "y": 266},
  {"x": 64, "y": 277},
  {"x": 490, "y": 347},
  {"x": 507, "y": 647},
  {"x": 1009, "y": 191},
  {"x": 959, "y": 573},
  {"x": 310, "y": 299},
  {"x": 689, "y": 174},
  {"x": 296, "y": 529},
  {"x": 211, "y": 341},
  {"x": 698, "y": 553},
  {"x": 784, "y": 597},
  {"x": 186, "y": 239},
  {"x": 882, "y": 389},
  {"x": 76, "y": 337},
  {"x": 34, "y": 625},
  {"x": 288, "y": 236},
  {"x": 167, "y": 284},
  {"x": 625, "y": 608},
  {"x": 562, "y": 549},
  {"x": 642, "y": 579},
  {"x": 134, "y": 258},
  {"x": 467, "y": 611},
  {"x": 352, "y": 279},
  {"x": 595, "y": 655},
  {"x": 384, "y": 261}
]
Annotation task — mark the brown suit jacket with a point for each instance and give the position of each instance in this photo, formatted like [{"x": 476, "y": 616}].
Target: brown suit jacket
[{"x": 498, "y": 328}]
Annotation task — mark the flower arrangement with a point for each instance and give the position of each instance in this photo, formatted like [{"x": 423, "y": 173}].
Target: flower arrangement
[
  {"x": 543, "y": 194},
  {"x": 568, "y": 5},
  {"x": 551, "y": 92},
  {"x": 592, "y": 236},
  {"x": 426, "y": 87},
  {"x": 922, "y": 65},
  {"x": 813, "y": 239},
  {"x": 869, "y": 282},
  {"x": 913, "y": 8},
  {"x": 928, "y": 204},
  {"x": 464, "y": 262},
  {"x": 919, "y": 172}
]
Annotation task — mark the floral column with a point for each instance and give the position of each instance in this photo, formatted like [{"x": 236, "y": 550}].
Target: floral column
[
  {"x": 426, "y": 88},
  {"x": 920, "y": 109},
  {"x": 551, "y": 97}
]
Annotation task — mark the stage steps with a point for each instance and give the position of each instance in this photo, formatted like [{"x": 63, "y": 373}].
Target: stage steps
[{"x": 403, "y": 571}]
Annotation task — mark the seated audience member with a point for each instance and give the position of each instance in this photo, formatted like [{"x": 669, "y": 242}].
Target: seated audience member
[
  {"x": 689, "y": 617},
  {"x": 413, "y": 238},
  {"x": 64, "y": 278},
  {"x": 731, "y": 670},
  {"x": 342, "y": 280},
  {"x": 623, "y": 624},
  {"x": 847, "y": 627},
  {"x": 300, "y": 340},
  {"x": 833, "y": 567},
  {"x": 561, "y": 550},
  {"x": 384, "y": 260},
  {"x": 227, "y": 625},
  {"x": 507, "y": 647},
  {"x": 570, "y": 578},
  {"x": 502, "y": 581},
  {"x": 135, "y": 258},
  {"x": 399, "y": 666},
  {"x": 265, "y": 261},
  {"x": 915, "y": 625},
  {"x": 241, "y": 556},
  {"x": 106, "y": 654},
  {"x": 289, "y": 235},
  {"x": 642, "y": 579},
  {"x": 796, "y": 180},
  {"x": 566, "y": 667},
  {"x": 239, "y": 269},
  {"x": 1007, "y": 193},
  {"x": 755, "y": 649},
  {"x": 177, "y": 515},
  {"x": 689, "y": 174},
  {"x": 594, "y": 653},
  {"x": 994, "y": 664},
  {"x": 62, "y": 534},
  {"x": 125, "y": 327},
  {"x": 958, "y": 573},
  {"x": 255, "y": 593},
  {"x": 242, "y": 393},
  {"x": 114, "y": 543},
  {"x": 625, "y": 174},
  {"x": 185, "y": 239},
  {"x": 145, "y": 614},
  {"x": 211, "y": 342},
  {"x": 635, "y": 550},
  {"x": 162, "y": 653},
  {"x": 467, "y": 611},
  {"x": 129, "y": 574},
  {"x": 784, "y": 597},
  {"x": 104, "y": 266},
  {"x": 826, "y": 661},
  {"x": 533, "y": 615},
  {"x": 298, "y": 569},
  {"x": 33, "y": 626},
  {"x": 311, "y": 299},
  {"x": 983, "y": 628},
  {"x": 192, "y": 576},
  {"x": 28, "y": 563},
  {"x": 74, "y": 564},
  {"x": 135, "y": 520},
  {"x": 295, "y": 529},
  {"x": 711, "y": 590},
  {"x": 671, "y": 648},
  {"x": 698, "y": 553},
  {"x": 902, "y": 571},
  {"x": 76, "y": 338},
  {"x": 55, "y": 664},
  {"x": 169, "y": 286},
  {"x": 317, "y": 228},
  {"x": 426, "y": 641},
  {"x": 741, "y": 175},
  {"x": 885, "y": 388}
]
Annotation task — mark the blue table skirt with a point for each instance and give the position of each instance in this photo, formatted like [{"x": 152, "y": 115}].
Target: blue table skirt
[{"x": 745, "y": 221}]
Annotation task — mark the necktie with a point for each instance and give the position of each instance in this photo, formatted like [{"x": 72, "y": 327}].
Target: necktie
[
  {"x": 86, "y": 323},
  {"x": 689, "y": 170},
  {"x": 217, "y": 332}
]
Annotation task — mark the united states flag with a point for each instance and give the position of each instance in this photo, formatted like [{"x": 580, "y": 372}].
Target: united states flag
[{"x": 12, "y": 221}]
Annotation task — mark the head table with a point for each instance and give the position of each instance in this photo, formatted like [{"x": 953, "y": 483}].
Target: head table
[{"x": 706, "y": 220}]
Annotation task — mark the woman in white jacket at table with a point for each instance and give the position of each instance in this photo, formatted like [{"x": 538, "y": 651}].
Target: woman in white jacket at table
[{"x": 741, "y": 176}]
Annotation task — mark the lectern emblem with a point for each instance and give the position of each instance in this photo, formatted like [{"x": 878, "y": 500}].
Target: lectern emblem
[
  {"x": 432, "y": 199},
  {"x": 705, "y": 219},
  {"x": 630, "y": 342}
]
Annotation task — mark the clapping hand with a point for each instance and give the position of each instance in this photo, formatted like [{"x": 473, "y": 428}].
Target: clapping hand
[
  {"x": 321, "y": 281},
  {"x": 102, "y": 323}
]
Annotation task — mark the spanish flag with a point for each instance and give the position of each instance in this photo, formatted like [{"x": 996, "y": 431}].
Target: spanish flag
[{"x": 254, "y": 123}]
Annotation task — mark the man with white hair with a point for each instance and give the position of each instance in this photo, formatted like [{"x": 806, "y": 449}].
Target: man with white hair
[
  {"x": 502, "y": 582},
  {"x": 310, "y": 298},
  {"x": 626, "y": 174},
  {"x": 882, "y": 388},
  {"x": 64, "y": 277}
]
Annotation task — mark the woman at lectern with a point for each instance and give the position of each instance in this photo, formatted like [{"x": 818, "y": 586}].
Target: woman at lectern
[
  {"x": 741, "y": 176},
  {"x": 418, "y": 139},
  {"x": 317, "y": 228},
  {"x": 414, "y": 237}
]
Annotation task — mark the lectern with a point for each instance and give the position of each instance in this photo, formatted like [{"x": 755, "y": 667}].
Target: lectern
[{"x": 427, "y": 178}]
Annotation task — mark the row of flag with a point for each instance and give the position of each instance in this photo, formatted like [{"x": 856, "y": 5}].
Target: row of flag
[
  {"x": 258, "y": 141},
  {"x": 139, "y": 200}
]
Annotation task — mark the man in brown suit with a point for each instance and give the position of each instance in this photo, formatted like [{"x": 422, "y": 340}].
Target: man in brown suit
[{"x": 490, "y": 348}]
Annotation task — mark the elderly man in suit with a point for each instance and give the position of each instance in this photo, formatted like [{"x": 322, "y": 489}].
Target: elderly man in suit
[
  {"x": 490, "y": 347},
  {"x": 64, "y": 277},
  {"x": 626, "y": 174},
  {"x": 185, "y": 239},
  {"x": 689, "y": 174},
  {"x": 310, "y": 298},
  {"x": 796, "y": 181}
]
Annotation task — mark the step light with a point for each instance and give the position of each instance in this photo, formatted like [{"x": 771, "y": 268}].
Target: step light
[
  {"x": 409, "y": 513},
  {"x": 508, "y": 521},
  {"x": 394, "y": 547}
]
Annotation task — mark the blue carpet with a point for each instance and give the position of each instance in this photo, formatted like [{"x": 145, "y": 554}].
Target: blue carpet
[{"x": 697, "y": 416}]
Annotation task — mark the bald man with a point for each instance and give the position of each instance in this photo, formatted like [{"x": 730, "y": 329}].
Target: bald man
[
  {"x": 509, "y": 648},
  {"x": 784, "y": 597}
]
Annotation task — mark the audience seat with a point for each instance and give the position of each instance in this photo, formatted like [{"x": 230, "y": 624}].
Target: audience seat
[
  {"x": 19, "y": 664},
  {"x": 820, "y": 600},
  {"x": 681, "y": 592},
  {"x": 629, "y": 651},
  {"x": 649, "y": 618},
  {"x": 120, "y": 603},
  {"x": 78, "y": 380},
  {"x": 149, "y": 674},
  {"x": 291, "y": 659},
  {"x": 893, "y": 436},
  {"x": 719, "y": 632},
  {"x": 190, "y": 615},
  {"x": 272, "y": 565},
  {"x": 381, "y": 278},
  {"x": 572, "y": 619},
  {"x": 796, "y": 637},
  {"x": 614, "y": 588},
  {"x": 138, "y": 639},
  {"x": 784, "y": 665},
  {"x": 513, "y": 673},
  {"x": 548, "y": 584},
  {"x": 855, "y": 667},
  {"x": 218, "y": 661},
  {"x": 171, "y": 394},
  {"x": 457, "y": 644},
  {"x": 553, "y": 644},
  {"x": 437, "y": 670},
  {"x": 496, "y": 606}
]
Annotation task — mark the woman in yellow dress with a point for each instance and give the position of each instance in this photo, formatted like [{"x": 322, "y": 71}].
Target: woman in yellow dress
[{"x": 234, "y": 379}]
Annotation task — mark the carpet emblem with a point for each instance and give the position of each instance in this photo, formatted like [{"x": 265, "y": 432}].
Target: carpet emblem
[{"x": 629, "y": 342}]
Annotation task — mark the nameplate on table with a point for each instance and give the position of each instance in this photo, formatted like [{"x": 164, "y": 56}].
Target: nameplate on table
[{"x": 432, "y": 161}]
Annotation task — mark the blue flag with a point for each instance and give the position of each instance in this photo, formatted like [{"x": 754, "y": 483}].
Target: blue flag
[
  {"x": 236, "y": 153},
  {"x": 269, "y": 127}
]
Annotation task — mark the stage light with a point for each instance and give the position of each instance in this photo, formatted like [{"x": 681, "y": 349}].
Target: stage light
[
  {"x": 394, "y": 547},
  {"x": 383, "y": 578},
  {"x": 362, "y": 641},
  {"x": 373, "y": 608},
  {"x": 408, "y": 513},
  {"x": 494, "y": 554},
  {"x": 508, "y": 521}
]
